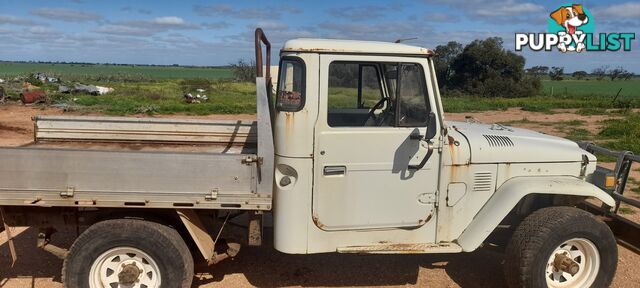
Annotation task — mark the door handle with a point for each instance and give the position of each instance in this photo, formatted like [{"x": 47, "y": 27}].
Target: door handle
[{"x": 334, "y": 170}]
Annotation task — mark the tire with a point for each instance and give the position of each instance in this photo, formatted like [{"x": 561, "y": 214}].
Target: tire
[
  {"x": 561, "y": 230},
  {"x": 158, "y": 251}
]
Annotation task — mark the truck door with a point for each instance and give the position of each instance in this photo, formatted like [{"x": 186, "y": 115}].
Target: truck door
[{"x": 371, "y": 114}]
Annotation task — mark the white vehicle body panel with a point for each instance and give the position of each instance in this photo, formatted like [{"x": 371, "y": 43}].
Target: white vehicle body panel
[
  {"x": 377, "y": 189},
  {"x": 515, "y": 189},
  {"x": 499, "y": 144}
]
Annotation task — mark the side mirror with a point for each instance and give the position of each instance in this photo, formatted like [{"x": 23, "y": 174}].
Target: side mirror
[{"x": 432, "y": 126}]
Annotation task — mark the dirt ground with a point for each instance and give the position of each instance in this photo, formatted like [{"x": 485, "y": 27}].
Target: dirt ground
[{"x": 265, "y": 267}]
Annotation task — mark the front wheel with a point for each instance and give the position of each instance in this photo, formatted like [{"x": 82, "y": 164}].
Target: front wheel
[
  {"x": 561, "y": 247},
  {"x": 128, "y": 253}
]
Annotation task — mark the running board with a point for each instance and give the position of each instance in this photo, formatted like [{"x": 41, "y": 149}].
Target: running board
[{"x": 391, "y": 248}]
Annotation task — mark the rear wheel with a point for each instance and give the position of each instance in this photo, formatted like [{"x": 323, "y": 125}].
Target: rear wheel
[
  {"x": 128, "y": 253},
  {"x": 561, "y": 247}
]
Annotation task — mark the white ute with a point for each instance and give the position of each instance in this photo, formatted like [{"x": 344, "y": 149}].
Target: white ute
[{"x": 355, "y": 156}]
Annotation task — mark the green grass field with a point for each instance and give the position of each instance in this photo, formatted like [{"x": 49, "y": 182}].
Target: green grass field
[
  {"x": 164, "y": 97},
  {"x": 159, "y": 89},
  {"x": 76, "y": 72},
  {"x": 599, "y": 88}
]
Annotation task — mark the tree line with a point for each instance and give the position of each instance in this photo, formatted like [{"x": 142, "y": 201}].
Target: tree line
[{"x": 599, "y": 73}]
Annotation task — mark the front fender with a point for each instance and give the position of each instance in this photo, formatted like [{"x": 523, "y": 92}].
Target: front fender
[{"x": 510, "y": 193}]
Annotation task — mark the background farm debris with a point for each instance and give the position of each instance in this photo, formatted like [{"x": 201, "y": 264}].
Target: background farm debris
[
  {"x": 189, "y": 98},
  {"x": 26, "y": 86},
  {"x": 91, "y": 89},
  {"x": 1, "y": 80},
  {"x": 31, "y": 97},
  {"x": 43, "y": 77},
  {"x": 64, "y": 89}
]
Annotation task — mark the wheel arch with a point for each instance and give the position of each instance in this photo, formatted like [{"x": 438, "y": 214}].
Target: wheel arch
[
  {"x": 512, "y": 192},
  {"x": 166, "y": 217}
]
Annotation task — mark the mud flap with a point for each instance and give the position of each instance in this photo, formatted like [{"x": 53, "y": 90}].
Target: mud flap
[{"x": 12, "y": 247}]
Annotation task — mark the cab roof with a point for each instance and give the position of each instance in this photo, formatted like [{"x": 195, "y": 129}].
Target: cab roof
[{"x": 353, "y": 47}]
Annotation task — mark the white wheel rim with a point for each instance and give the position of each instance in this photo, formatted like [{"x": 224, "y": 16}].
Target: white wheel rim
[
  {"x": 585, "y": 254},
  {"x": 106, "y": 268}
]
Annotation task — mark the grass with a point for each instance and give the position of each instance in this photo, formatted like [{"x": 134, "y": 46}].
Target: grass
[
  {"x": 571, "y": 123},
  {"x": 537, "y": 108},
  {"x": 626, "y": 210},
  {"x": 112, "y": 73},
  {"x": 164, "y": 97},
  {"x": 159, "y": 89},
  {"x": 621, "y": 134},
  {"x": 591, "y": 111},
  {"x": 579, "y": 134},
  {"x": 600, "y": 88},
  {"x": 538, "y": 104}
]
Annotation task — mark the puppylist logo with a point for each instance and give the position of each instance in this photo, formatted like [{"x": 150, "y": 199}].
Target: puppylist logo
[{"x": 571, "y": 29}]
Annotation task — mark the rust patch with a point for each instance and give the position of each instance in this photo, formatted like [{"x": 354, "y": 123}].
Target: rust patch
[
  {"x": 288, "y": 121},
  {"x": 451, "y": 140},
  {"x": 317, "y": 221},
  {"x": 428, "y": 218},
  {"x": 401, "y": 248}
]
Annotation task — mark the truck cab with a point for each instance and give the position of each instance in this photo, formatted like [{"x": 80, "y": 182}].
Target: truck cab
[
  {"x": 365, "y": 162},
  {"x": 349, "y": 127}
]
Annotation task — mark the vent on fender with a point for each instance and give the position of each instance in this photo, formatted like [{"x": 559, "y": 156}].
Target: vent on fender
[
  {"x": 482, "y": 181},
  {"x": 498, "y": 141}
]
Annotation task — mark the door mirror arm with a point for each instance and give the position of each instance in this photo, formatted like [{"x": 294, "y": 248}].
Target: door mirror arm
[{"x": 431, "y": 133}]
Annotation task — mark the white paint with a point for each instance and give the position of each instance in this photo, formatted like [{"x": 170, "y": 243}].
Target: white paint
[{"x": 515, "y": 189}]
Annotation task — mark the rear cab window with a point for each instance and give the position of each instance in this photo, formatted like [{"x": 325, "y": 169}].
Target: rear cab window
[{"x": 291, "y": 85}]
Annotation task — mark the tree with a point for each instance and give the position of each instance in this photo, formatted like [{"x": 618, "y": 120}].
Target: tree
[
  {"x": 445, "y": 54},
  {"x": 244, "y": 71},
  {"x": 485, "y": 68},
  {"x": 537, "y": 71},
  {"x": 616, "y": 73},
  {"x": 600, "y": 72},
  {"x": 627, "y": 75},
  {"x": 579, "y": 75},
  {"x": 556, "y": 73}
]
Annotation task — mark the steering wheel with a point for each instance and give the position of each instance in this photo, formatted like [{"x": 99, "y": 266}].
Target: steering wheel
[{"x": 372, "y": 112}]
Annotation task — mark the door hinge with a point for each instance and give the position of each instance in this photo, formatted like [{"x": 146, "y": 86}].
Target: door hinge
[
  {"x": 213, "y": 195},
  {"x": 69, "y": 193},
  {"x": 427, "y": 198}
]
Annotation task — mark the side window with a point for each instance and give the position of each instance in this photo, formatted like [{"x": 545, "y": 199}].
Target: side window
[
  {"x": 413, "y": 108},
  {"x": 377, "y": 95},
  {"x": 354, "y": 88},
  {"x": 291, "y": 89}
]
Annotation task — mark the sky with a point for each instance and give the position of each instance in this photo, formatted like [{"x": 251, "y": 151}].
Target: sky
[{"x": 204, "y": 33}]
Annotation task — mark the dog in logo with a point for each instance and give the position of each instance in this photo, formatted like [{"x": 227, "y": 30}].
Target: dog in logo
[{"x": 570, "y": 17}]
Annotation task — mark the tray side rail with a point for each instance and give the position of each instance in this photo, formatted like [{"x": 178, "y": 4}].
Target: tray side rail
[{"x": 87, "y": 178}]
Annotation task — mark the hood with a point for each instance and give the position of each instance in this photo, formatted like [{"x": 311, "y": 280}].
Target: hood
[{"x": 495, "y": 143}]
